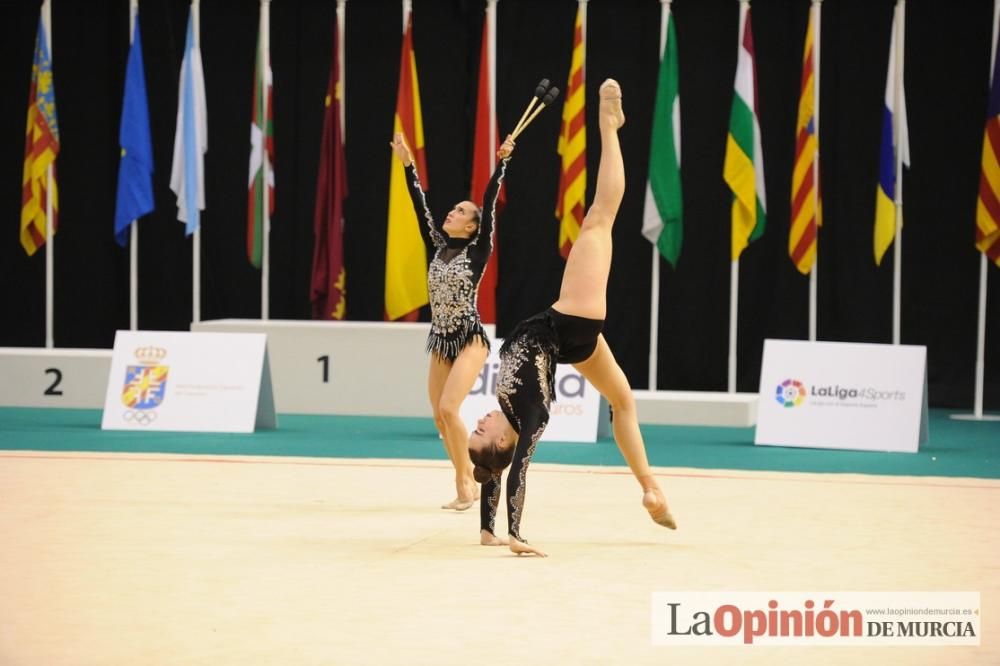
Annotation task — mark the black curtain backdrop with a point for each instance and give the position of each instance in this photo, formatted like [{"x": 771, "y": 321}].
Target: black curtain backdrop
[{"x": 947, "y": 72}]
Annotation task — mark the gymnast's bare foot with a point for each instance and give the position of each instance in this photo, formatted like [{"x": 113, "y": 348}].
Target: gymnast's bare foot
[
  {"x": 487, "y": 538},
  {"x": 468, "y": 493},
  {"x": 656, "y": 505},
  {"x": 611, "y": 112},
  {"x": 458, "y": 504},
  {"x": 522, "y": 548}
]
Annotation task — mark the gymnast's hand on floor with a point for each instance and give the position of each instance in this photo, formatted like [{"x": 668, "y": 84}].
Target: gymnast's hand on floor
[
  {"x": 487, "y": 538},
  {"x": 522, "y": 548}
]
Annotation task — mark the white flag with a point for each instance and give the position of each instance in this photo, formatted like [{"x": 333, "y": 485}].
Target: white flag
[{"x": 187, "y": 176}]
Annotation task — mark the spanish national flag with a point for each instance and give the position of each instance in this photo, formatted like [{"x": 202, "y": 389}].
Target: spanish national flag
[{"x": 405, "y": 252}]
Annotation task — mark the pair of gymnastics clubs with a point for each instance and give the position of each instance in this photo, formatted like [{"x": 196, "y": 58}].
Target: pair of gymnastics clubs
[{"x": 547, "y": 96}]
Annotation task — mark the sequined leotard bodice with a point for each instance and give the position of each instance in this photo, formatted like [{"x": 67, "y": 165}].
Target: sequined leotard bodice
[
  {"x": 525, "y": 391},
  {"x": 455, "y": 271}
]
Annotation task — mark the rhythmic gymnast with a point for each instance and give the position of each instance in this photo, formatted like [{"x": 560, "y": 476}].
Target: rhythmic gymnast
[
  {"x": 457, "y": 343},
  {"x": 567, "y": 332}
]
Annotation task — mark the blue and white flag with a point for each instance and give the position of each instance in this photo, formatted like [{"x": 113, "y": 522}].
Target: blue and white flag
[{"x": 187, "y": 175}]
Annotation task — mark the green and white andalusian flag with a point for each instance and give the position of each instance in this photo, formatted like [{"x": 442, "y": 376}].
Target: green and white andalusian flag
[{"x": 662, "y": 216}]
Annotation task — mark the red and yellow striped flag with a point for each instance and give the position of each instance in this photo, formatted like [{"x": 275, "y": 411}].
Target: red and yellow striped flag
[
  {"x": 570, "y": 205},
  {"x": 806, "y": 207},
  {"x": 41, "y": 145},
  {"x": 405, "y": 252},
  {"x": 988, "y": 205}
]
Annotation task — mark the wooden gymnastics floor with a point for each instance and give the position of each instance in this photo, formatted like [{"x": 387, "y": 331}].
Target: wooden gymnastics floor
[{"x": 151, "y": 559}]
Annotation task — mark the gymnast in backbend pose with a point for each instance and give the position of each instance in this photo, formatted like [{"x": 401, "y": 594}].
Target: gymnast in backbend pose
[
  {"x": 457, "y": 342},
  {"x": 568, "y": 332}
]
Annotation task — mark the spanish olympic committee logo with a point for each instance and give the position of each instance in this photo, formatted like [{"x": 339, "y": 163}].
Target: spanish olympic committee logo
[{"x": 791, "y": 393}]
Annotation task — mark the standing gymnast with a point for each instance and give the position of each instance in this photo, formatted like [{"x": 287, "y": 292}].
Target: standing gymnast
[
  {"x": 567, "y": 332},
  {"x": 457, "y": 343}
]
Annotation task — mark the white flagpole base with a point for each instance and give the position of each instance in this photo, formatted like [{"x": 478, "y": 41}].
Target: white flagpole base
[{"x": 973, "y": 417}]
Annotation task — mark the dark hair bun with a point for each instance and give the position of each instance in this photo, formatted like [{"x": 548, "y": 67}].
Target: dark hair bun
[{"x": 481, "y": 474}]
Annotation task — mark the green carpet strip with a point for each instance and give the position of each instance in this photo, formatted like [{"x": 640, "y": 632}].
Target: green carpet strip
[{"x": 956, "y": 448}]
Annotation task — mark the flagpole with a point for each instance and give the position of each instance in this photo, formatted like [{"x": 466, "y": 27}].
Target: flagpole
[
  {"x": 196, "y": 241},
  {"x": 977, "y": 408},
  {"x": 265, "y": 272},
  {"x": 654, "y": 298},
  {"x": 897, "y": 269},
  {"x": 983, "y": 265},
  {"x": 133, "y": 250},
  {"x": 491, "y": 35},
  {"x": 734, "y": 269},
  {"x": 341, "y": 67},
  {"x": 493, "y": 139},
  {"x": 817, "y": 9},
  {"x": 50, "y": 236},
  {"x": 654, "y": 318},
  {"x": 734, "y": 287}
]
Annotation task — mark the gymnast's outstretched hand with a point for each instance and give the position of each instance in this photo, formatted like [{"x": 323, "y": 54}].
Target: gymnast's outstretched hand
[
  {"x": 399, "y": 147},
  {"x": 522, "y": 548},
  {"x": 506, "y": 148}
]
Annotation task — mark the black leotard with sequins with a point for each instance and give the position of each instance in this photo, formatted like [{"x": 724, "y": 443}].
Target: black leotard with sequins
[
  {"x": 455, "y": 271},
  {"x": 525, "y": 390}
]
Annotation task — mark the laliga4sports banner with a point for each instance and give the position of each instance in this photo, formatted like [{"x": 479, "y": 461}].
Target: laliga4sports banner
[{"x": 840, "y": 395}]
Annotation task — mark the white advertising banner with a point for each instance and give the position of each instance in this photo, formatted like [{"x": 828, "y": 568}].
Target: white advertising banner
[
  {"x": 578, "y": 413},
  {"x": 194, "y": 382},
  {"x": 841, "y": 395}
]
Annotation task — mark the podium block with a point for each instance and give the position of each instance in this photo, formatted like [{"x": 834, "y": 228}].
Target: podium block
[{"x": 67, "y": 378}]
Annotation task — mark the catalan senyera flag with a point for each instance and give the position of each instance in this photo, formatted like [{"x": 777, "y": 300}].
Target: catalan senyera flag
[
  {"x": 806, "y": 207},
  {"x": 988, "y": 205},
  {"x": 744, "y": 165},
  {"x": 570, "y": 203},
  {"x": 260, "y": 194},
  {"x": 483, "y": 161},
  {"x": 329, "y": 278},
  {"x": 405, "y": 252},
  {"x": 885, "y": 207},
  {"x": 41, "y": 146}
]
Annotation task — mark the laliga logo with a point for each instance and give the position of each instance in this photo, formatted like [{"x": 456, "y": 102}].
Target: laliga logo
[{"x": 791, "y": 393}]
